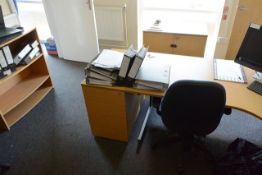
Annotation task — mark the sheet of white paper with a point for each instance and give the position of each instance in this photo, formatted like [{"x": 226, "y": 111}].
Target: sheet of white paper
[
  {"x": 109, "y": 59},
  {"x": 228, "y": 70}
]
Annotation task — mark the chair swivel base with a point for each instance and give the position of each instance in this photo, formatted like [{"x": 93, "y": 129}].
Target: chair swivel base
[{"x": 186, "y": 146}]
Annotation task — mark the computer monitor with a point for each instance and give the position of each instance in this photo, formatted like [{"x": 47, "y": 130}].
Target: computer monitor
[
  {"x": 250, "y": 54},
  {"x": 6, "y": 32}
]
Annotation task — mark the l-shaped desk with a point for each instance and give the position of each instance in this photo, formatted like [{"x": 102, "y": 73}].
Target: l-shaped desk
[{"x": 113, "y": 110}]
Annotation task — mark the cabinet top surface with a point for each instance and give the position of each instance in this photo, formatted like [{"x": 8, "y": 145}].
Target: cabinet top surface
[{"x": 179, "y": 28}]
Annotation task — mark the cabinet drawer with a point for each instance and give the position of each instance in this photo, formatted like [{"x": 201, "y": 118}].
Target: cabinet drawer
[
  {"x": 191, "y": 45},
  {"x": 158, "y": 42}
]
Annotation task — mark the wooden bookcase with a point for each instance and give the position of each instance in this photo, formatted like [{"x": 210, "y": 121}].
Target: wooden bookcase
[{"x": 27, "y": 86}]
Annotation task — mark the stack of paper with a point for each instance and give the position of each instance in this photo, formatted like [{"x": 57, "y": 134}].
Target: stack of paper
[
  {"x": 103, "y": 70},
  {"x": 109, "y": 59}
]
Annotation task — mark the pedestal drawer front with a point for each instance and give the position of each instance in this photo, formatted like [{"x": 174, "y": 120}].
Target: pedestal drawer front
[
  {"x": 191, "y": 45},
  {"x": 158, "y": 42},
  {"x": 106, "y": 112}
]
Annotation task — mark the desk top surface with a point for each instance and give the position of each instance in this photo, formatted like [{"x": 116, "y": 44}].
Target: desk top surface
[{"x": 194, "y": 68}]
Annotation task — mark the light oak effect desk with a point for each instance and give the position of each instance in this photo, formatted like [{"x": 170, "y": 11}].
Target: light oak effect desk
[{"x": 113, "y": 110}]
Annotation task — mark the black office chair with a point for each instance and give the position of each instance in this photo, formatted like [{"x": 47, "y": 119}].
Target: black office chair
[{"x": 189, "y": 109}]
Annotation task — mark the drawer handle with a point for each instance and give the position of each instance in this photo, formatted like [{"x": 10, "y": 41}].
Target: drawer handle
[{"x": 173, "y": 45}]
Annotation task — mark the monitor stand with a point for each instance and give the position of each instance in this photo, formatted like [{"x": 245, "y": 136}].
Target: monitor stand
[{"x": 256, "y": 86}]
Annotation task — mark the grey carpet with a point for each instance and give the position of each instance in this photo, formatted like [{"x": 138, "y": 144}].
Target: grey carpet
[{"x": 55, "y": 137}]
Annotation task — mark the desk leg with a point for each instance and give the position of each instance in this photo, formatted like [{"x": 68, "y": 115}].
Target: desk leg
[{"x": 139, "y": 139}]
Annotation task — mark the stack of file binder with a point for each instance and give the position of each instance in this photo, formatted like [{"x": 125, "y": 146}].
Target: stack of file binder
[
  {"x": 29, "y": 52},
  {"x": 126, "y": 69},
  {"x": 8, "y": 63},
  {"x": 103, "y": 70},
  {"x": 130, "y": 65},
  {"x": 127, "y": 62}
]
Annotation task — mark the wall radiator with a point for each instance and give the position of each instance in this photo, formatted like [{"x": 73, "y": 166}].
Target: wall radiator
[{"x": 111, "y": 23}]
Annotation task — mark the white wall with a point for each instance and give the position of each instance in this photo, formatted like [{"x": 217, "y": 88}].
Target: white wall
[{"x": 133, "y": 26}]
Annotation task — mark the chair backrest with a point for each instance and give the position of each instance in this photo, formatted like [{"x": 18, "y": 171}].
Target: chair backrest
[{"x": 193, "y": 107}]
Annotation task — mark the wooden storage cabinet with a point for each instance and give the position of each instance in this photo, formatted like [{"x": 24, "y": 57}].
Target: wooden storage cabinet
[
  {"x": 26, "y": 87},
  {"x": 111, "y": 112},
  {"x": 180, "y": 44}
]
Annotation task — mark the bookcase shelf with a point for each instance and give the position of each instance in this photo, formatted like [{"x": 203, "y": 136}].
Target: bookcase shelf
[
  {"x": 16, "y": 114},
  {"x": 17, "y": 94},
  {"x": 26, "y": 87},
  {"x": 21, "y": 68}
]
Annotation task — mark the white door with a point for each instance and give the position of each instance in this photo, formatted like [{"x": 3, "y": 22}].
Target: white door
[{"x": 72, "y": 24}]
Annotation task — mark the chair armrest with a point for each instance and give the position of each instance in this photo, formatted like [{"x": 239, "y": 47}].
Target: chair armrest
[{"x": 227, "y": 111}]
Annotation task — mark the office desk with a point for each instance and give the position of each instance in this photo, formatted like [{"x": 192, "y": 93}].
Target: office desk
[{"x": 113, "y": 110}]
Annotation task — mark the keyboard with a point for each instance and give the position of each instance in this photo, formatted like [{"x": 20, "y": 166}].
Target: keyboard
[{"x": 256, "y": 87}]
